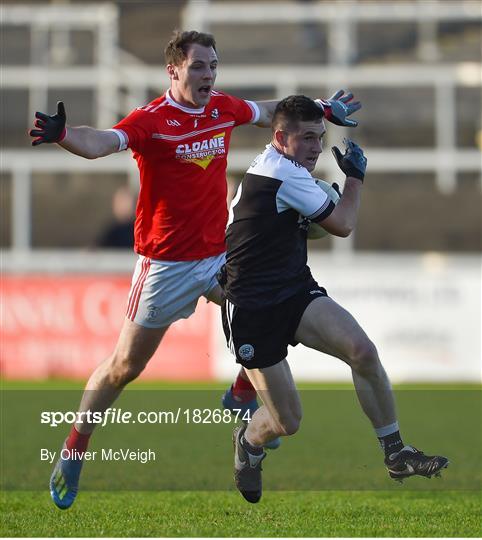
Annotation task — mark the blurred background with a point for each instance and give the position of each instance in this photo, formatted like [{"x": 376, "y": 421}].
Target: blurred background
[{"x": 411, "y": 273}]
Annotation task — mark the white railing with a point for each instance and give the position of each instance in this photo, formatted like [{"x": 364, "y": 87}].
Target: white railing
[
  {"x": 47, "y": 55},
  {"x": 109, "y": 73},
  {"x": 342, "y": 18}
]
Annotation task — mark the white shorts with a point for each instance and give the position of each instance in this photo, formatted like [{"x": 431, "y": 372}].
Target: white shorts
[{"x": 163, "y": 292}]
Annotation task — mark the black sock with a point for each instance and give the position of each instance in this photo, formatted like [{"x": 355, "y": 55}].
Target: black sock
[
  {"x": 391, "y": 443},
  {"x": 253, "y": 450}
]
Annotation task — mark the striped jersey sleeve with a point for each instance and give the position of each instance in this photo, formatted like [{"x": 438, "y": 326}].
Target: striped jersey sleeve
[{"x": 300, "y": 192}]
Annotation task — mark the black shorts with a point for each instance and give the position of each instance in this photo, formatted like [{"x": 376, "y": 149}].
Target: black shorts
[{"x": 260, "y": 338}]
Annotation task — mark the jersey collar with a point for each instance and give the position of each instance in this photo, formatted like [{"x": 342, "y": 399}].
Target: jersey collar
[
  {"x": 178, "y": 106},
  {"x": 271, "y": 147}
]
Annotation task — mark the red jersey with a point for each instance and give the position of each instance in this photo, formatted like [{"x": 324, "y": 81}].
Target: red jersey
[{"x": 181, "y": 153}]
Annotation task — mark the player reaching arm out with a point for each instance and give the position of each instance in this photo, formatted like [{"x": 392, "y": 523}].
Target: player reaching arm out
[
  {"x": 336, "y": 109},
  {"x": 93, "y": 143},
  {"x": 84, "y": 141}
]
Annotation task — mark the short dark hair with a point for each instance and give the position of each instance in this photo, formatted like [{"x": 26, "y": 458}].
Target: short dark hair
[
  {"x": 294, "y": 109},
  {"x": 178, "y": 46}
]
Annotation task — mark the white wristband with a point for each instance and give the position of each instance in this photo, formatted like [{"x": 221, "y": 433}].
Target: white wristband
[{"x": 123, "y": 143}]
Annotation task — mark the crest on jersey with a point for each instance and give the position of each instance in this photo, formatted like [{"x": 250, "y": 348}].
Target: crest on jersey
[
  {"x": 215, "y": 114},
  {"x": 246, "y": 352},
  {"x": 173, "y": 123}
]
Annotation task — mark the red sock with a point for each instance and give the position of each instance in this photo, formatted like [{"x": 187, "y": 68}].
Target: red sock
[
  {"x": 77, "y": 441},
  {"x": 242, "y": 389}
]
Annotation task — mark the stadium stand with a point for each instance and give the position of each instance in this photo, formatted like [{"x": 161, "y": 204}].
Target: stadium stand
[
  {"x": 416, "y": 67},
  {"x": 429, "y": 68}
]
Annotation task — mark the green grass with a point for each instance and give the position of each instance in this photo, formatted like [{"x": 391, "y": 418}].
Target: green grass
[
  {"x": 322, "y": 514},
  {"x": 328, "y": 480}
]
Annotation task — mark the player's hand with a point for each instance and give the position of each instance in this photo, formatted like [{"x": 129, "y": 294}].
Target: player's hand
[
  {"x": 353, "y": 162},
  {"x": 49, "y": 129},
  {"x": 339, "y": 107}
]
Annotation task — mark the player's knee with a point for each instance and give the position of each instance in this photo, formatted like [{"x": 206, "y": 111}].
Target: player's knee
[
  {"x": 364, "y": 357},
  {"x": 290, "y": 423},
  {"x": 124, "y": 370},
  {"x": 290, "y": 427}
]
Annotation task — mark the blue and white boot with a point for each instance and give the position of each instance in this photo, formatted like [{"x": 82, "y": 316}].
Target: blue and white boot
[{"x": 64, "y": 482}]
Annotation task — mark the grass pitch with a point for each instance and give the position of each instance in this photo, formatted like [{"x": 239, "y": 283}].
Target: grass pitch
[
  {"x": 328, "y": 480},
  {"x": 225, "y": 514}
]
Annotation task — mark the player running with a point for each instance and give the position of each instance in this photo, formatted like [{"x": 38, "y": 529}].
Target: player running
[
  {"x": 272, "y": 300},
  {"x": 180, "y": 142}
]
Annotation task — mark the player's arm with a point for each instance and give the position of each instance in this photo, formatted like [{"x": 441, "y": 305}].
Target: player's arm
[
  {"x": 336, "y": 109},
  {"x": 89, "y": 142},
  {"x": 343, "y": 219},
  {"x": 266, "y": 111},
  {"x": 84, "y": 141}
]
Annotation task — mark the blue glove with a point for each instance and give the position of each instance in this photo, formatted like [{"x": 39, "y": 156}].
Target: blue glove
[
  {"x": 338, "y": 107},
  {"x": 353, "y": 162}
]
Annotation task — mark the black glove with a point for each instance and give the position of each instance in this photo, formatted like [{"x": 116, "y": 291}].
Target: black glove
[
  {"x": 51, "y": 129},
  {"x": 352, "y": 162},
  {"x": 338, "y": 107}
]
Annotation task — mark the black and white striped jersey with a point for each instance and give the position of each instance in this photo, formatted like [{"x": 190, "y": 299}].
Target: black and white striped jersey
[{"x": 266, "y": 260}]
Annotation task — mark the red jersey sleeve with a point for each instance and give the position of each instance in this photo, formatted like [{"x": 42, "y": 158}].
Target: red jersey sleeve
[
  {"x": 245, "y": 112},
  {"x": 135, "y": 127}
]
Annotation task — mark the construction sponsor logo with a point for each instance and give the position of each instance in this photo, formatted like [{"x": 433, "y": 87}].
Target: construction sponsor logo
[{"x": 201, "y": 153}]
